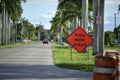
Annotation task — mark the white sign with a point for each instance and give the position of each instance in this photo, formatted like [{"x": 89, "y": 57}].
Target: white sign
[{"x": 98, "y": 19}]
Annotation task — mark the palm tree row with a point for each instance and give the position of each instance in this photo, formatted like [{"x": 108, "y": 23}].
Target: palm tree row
[
  {"x": 10, "y": 11},
  {"x": 68, "y": 17},
  {"x": 70, "y": 14}
]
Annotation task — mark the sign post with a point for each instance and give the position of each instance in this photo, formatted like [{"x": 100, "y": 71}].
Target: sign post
[{"x": 79, "y": 40}]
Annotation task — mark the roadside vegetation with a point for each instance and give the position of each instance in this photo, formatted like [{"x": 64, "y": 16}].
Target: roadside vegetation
[
  {"x": 79, "y": 61},
  {"x": 17, "y": 45}
]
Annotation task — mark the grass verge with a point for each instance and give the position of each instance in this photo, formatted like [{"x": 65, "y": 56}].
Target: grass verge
[
  {"x": 116, "y": 48},
  {"x": 79, "y": 61},
  {"x": 16, "y": 45}
]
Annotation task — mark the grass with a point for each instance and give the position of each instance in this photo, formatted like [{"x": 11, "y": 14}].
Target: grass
[
  {"x": 79, "y": 61},
  {"x": 16, "y": 45},
  {"x": 117, "y": 48}
]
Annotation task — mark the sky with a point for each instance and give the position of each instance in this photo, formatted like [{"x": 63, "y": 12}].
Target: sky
[
  {"x": 42, "y": 11},
  {"x": 111, "y": 8}
]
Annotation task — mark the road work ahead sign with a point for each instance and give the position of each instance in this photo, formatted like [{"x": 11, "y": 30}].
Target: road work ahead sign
[{"x": 79, "y": 39}]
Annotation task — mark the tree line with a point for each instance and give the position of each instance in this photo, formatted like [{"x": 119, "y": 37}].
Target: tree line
[
  {"x": 69, "y": 16},
  {"x": 112, "y": 38},
  {"x": 13, "y": 27}
]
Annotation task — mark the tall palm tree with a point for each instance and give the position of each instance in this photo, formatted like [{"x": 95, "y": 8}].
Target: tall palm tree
[
  {"x": 63, "y": 17},
  {"x": 57, "y": 27},
  {"x": 10, "y": 9},
  {"x": 70, "y": 11},
  {"x": 73, "y": 9},
  {"x": 39, "y": 28}
]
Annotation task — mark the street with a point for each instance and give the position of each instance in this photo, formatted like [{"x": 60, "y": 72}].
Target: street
[{"x": 35, "y": 62}]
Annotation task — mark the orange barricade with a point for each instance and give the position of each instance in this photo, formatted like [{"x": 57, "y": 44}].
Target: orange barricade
[
  {"x": 118, "y": 68},
  {"x": 107, "y": 66}
]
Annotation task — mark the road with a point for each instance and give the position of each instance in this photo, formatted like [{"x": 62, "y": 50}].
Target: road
[{"x": 34, "y": 62}]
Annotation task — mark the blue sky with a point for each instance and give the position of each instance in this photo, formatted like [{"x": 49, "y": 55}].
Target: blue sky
[
  {"x": 111, "y": 7},
  {"x": 42, "y": 11}
]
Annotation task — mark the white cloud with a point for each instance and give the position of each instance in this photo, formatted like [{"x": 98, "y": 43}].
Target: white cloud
[
  {"x": 112, "y": 1},
  {"x": 107, "y": 21},
  {"x": 42, "y": 2},
  {"x": 49, "y": 14},
  {"x": 44, "y": 19},
  {"x": 47, "y": 25}
]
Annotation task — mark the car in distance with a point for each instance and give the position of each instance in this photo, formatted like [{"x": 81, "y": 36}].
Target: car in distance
[{"x": 45, "y": 41}]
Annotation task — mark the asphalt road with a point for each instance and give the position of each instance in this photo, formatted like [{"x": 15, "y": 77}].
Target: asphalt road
[{"x": 35, "y": 62}]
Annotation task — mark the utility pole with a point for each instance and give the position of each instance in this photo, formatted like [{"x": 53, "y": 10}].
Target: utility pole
[
  {"x": 95, "y": 32},
  {"x": 98, "y": 25},
  {"x": 101, "y": 27},
  {"x": 115, "y": 19},
  {"x": 115, "y": 14}
]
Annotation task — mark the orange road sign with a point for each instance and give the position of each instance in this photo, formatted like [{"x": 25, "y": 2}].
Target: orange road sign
[{"x": 79, "y": 39}]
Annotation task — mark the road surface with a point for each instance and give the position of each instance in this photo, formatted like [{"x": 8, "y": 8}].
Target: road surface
[{"x": 35, "y": 62}]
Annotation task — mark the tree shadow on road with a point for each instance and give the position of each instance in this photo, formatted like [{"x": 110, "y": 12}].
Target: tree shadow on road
[{"x": 8, "y": 71}]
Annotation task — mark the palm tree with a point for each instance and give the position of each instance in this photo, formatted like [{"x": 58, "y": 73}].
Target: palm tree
[
  {"x": 70, "y": 12},
  {"x": 65, "y": 13},
  {"x": 39, "y": 28},
  {"x": 10, "y": 9},
  {"x": 57, "y": 27},
  {"x": 73, "y": 10},
  {"x": 109, "y": 38}
]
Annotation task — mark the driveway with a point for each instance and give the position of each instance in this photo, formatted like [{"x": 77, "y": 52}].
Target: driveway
[{"x": 35, "y": 62}]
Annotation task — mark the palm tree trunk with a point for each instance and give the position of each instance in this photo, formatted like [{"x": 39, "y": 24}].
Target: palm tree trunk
[
  {"x": 9, "y": 28},
  {"x": 0, "y": 27},
  {"x": 81, "y": 24},
  {"x": 6, "y": 28},
  {"x": 16, "y": 33},
  {"x": 39, "y": 36},
  {"x": 85, "y": 14},
  {"x": 60, "y": 36},
  {"x": 12, "y": 33},
  {"x": 75, "y": 24},
  {"x": 3, "y": 27}
]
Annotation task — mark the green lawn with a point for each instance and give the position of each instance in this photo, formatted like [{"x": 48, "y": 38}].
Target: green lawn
[
  {"x": 117, "y": 48},
  {"x": 79, "y": 61}
]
